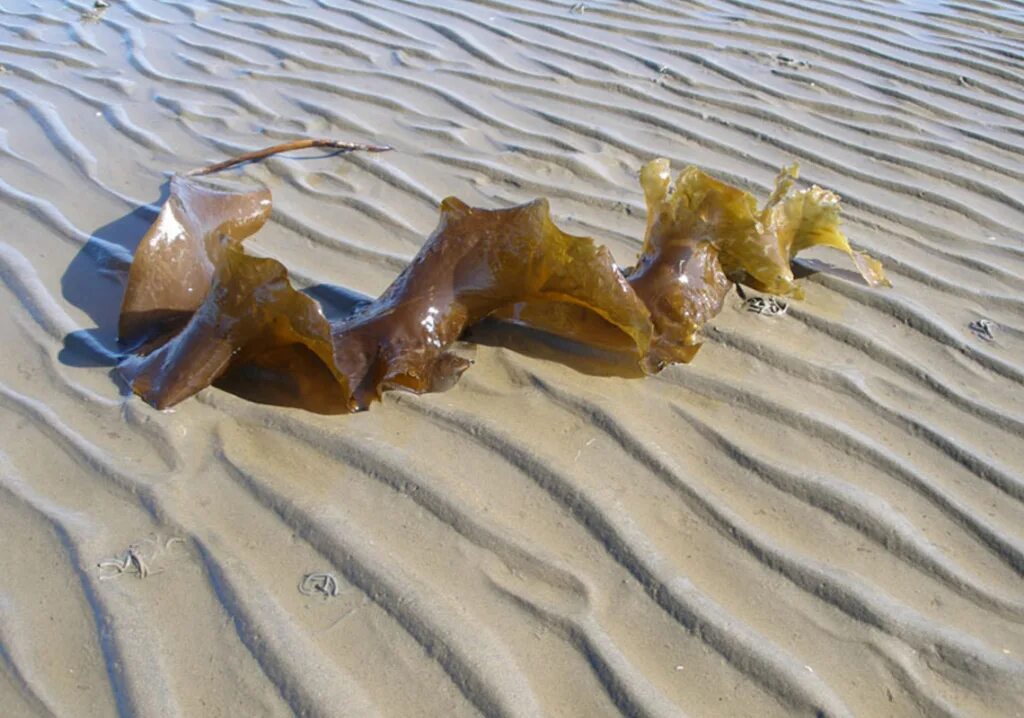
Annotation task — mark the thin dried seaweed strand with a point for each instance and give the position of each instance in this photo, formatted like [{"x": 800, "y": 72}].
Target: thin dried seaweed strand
[{"x": 286, "y": 147}]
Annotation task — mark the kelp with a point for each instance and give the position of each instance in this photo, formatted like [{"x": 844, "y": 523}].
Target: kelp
[
  {"x": 203, "y": 311},
  {"x": 760, "y": 256},
  {"x": 703, "y": 236},
  {"x": 476, "y": 262},
  {"x": 198, "y": 310}
]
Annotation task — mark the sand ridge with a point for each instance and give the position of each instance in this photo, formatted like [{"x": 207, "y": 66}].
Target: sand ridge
[{"x": 822, "y": 515}]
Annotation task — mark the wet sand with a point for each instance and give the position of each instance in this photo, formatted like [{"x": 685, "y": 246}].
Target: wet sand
[{"x": 823, "y": 514}]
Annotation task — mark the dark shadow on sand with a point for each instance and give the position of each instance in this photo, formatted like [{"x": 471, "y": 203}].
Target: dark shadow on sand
[
  {"x": 806, "y": 267},
  {"x": 94, "y": 282},
  {"x": 584, "y": 358}
]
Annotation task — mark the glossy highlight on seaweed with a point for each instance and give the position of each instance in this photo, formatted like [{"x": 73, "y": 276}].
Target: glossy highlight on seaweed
[{"x": 199, "y": 311}]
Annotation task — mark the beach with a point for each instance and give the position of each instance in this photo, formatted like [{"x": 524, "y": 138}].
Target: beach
[{"x": 821, "y": 515}]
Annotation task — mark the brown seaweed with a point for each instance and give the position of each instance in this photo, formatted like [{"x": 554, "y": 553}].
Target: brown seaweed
[
  {"x": 476, "y": 262},
  {"x": 702, "y": 236},
  {"x": 790, "y": 223},
  {"x": 204, "y": 308},
  {"x": 201, "y": 311},
  {"x": 210, "y": 313},
  {"x": 678, "y": 275}
]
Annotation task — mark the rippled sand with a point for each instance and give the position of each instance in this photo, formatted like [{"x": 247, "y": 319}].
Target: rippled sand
[{"x": 822, "y": 515}]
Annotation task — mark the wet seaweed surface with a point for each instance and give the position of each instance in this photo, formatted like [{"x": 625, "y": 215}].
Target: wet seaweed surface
[{"x": 200, "y": 311}]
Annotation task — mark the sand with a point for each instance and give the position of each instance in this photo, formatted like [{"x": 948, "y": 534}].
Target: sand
[{"x": 821, "y": 515}]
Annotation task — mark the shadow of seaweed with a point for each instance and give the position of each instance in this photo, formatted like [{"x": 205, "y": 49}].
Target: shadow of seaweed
[
  {"x": 807, "y": 267},
  {"x": 584, "y": 358},
  {"x": 94, "y": 282},
  {"x": 337, "y": 302}
]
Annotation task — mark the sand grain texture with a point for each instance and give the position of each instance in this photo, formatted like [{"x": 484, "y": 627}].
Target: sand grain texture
[{"x": 822, "y": 515}]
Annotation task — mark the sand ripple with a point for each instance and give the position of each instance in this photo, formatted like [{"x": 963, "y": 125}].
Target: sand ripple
[{"x": 821, "y": 516}]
